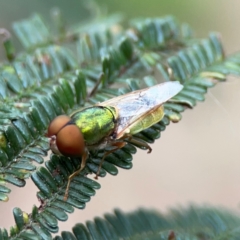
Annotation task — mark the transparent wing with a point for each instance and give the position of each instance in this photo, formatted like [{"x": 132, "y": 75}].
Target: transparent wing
[{"x": 134, "y": 105}]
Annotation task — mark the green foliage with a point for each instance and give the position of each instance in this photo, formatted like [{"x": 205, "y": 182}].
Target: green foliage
[
  {"x": 54, "y": 75},
  {"x": 192, "y": 223}
]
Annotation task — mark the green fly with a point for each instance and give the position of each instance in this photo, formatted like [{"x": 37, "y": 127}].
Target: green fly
[{"x": 109, "y": 125}]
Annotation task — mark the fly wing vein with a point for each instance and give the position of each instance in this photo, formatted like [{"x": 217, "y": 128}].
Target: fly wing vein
[{"x": 134, "y": 105}]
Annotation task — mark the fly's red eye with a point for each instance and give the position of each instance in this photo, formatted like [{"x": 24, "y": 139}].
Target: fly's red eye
[
  {"x": 70, "y": 141},
  {"x": 56, "y": 124}
]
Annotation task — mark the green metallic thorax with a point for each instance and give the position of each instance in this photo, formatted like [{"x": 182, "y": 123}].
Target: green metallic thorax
[{"x": 96, "y": 123}]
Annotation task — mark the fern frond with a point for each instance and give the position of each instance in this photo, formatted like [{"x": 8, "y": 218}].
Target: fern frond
[
  {"x": 32, "y": 32},
  {"x": 192, "y": 223},
  {"x": 189, "y": 223}
]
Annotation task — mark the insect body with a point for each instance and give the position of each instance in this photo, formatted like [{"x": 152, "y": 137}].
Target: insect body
[{"x": 109, "y": 124}]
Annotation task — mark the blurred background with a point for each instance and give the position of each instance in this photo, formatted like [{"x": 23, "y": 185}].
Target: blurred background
[{"x": 194, "y": 161}]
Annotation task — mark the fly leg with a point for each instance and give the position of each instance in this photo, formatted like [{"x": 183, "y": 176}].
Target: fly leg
[
  {"x": 117, "y": 146},
  {"x": 83, "y": 164},
  {"x": 139, "y": 142}
]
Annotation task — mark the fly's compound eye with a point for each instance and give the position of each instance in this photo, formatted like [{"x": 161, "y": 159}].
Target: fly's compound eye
[
  {"x": 70, "y": 141},
  {"x": 56, "y": 125}
]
